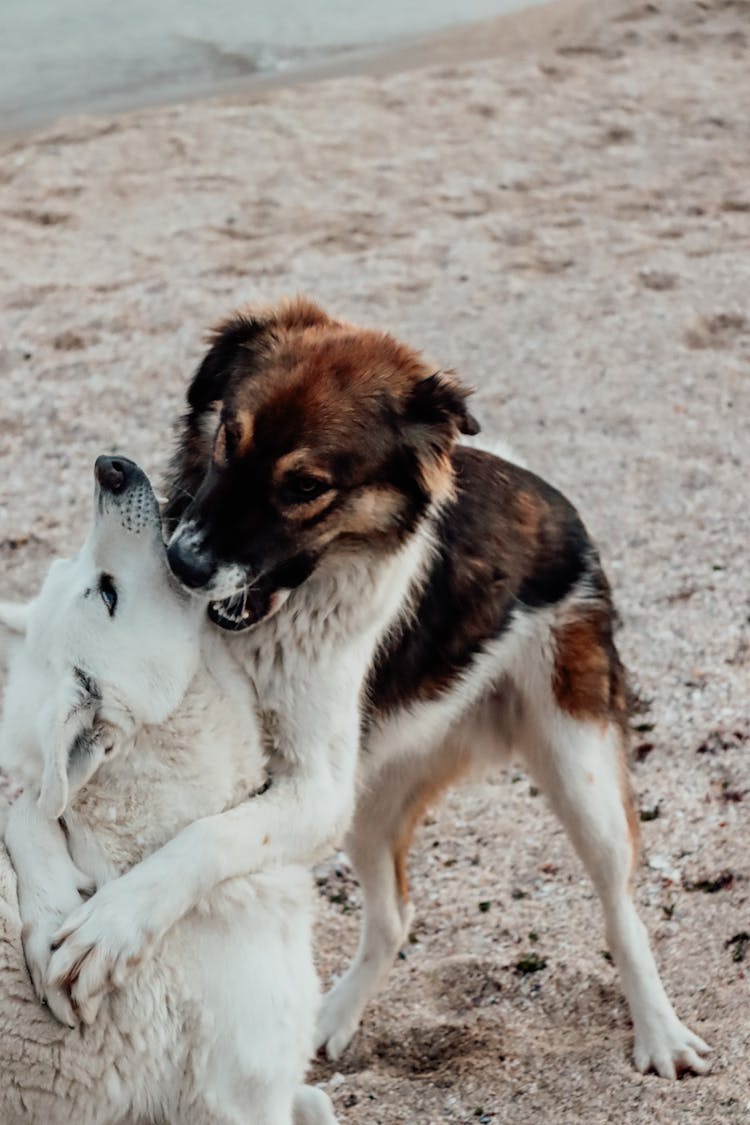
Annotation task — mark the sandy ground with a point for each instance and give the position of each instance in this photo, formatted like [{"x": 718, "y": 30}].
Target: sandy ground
[{"x": 568, "y": 223}]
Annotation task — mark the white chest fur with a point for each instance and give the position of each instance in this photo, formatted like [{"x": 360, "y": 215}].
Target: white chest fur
[{"x": 308, "y": 662}]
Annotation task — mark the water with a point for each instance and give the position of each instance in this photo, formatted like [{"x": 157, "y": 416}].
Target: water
[{"x": 63, "y": 56}]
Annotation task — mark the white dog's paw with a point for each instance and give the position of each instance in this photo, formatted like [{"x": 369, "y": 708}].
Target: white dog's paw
[
  {"x": 338, "y": 1019},
  {"x": 42, "y": 917},
  {"x": 98, "y": 949},
  {"x": 669, "y": 1048},
  {"x": 36, "y": 948},
  {"x": 313, "y": 1107}
]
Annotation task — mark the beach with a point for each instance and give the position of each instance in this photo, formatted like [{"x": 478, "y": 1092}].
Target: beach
[{"x": 557, "y": 204}]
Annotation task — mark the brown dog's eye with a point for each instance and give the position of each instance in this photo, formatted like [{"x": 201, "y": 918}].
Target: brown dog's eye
[{"x": 302, "y": 487}]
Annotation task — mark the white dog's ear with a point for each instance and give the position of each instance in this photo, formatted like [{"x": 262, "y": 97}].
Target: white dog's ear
[
  {"x": 72, "y": 746},
  {"x": 53, "y": 798}
]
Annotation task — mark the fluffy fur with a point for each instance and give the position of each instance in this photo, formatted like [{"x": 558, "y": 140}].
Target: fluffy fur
[
  {"x": 126, "y": 714},
  {"x": 383, "y": 584}
]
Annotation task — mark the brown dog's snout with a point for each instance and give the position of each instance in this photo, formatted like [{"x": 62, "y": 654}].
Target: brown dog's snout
[{"x": 114, "y": 474}]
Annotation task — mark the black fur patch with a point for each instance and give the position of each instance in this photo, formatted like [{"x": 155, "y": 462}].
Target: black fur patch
[
  {"x": 87, "y": 684},
  {"x": 238, "y": 339},
  {"x": 495, "y": 559},
  {"x": 401, "y": 471},
  {"x": 293, "y": 573},
  {"x": 561, "y": 559},
  {"x": 80, "y": 753}
]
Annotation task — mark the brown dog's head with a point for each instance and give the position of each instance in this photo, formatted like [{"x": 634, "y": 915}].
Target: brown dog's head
[{"x": 304, "y": 435}]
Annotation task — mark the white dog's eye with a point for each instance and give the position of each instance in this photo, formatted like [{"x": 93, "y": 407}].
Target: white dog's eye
[{"x": 108, "y": 593}]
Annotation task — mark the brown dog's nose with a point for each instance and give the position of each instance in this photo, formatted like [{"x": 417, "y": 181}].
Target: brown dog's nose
[
  {"x": 193, "y": 568},
  {"x": 114, "y": 473}
]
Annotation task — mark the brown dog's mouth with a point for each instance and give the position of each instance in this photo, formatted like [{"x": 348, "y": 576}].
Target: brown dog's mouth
[
  {"x": 242, "y": 610},
  {"x": 267, "y": 594}
]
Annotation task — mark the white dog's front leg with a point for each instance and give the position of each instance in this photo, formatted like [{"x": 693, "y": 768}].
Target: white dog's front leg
[
  {"x": 49, "y": 887},
  {"x": 104, "y": 941}
]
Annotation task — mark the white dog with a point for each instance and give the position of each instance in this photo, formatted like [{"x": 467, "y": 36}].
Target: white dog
[{"x": 125, "y": 716}]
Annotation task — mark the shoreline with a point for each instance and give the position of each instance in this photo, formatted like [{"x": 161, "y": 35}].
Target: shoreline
[{"x": 534, "y": 25}]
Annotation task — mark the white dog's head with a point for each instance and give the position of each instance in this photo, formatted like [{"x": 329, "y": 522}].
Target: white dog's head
[{"x": 109, "y": 645}]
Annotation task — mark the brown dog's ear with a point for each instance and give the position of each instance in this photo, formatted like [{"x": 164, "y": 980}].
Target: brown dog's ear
[
  {"x": 435, "y": 415},
  {"x": 235, "y": 338},
  {"x": 439, "y": 403},
  {"x": 238, "y": 341},
  {"x": 239, "y": 336}
]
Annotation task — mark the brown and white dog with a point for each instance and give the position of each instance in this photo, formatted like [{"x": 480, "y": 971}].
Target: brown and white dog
[{"x": 384, "y": 585}]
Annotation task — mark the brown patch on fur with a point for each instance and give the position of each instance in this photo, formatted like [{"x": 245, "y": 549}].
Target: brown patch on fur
[
  {"x": 446, "y": 769},
  {"x": 437, "y": 477},
  {"x": 299, "y": 460},
  {"x": 291, "y": 313},
  {"x": 589, "y": 683},
  {"x": 220, "y": 445},
  {"x": 294, "y": 314},
  {"x": 327, "y": 356},
  {"x": 266, "y": 840},
  {"x": 530, "y": 511},
  {"x": 374, "y": 507},
  {"x": 243, "y": 420},
  {"x": 237, "y": 439},
  {"x": 311, "y": 510},
  {"x": 583, "y": 679}
]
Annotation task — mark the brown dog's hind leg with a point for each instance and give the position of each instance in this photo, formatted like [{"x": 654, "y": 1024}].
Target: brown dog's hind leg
[{"x": 574, "y": 743}]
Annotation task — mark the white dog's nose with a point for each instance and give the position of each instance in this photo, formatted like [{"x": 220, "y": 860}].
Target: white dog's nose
[{"x": 114, "y": 474}]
